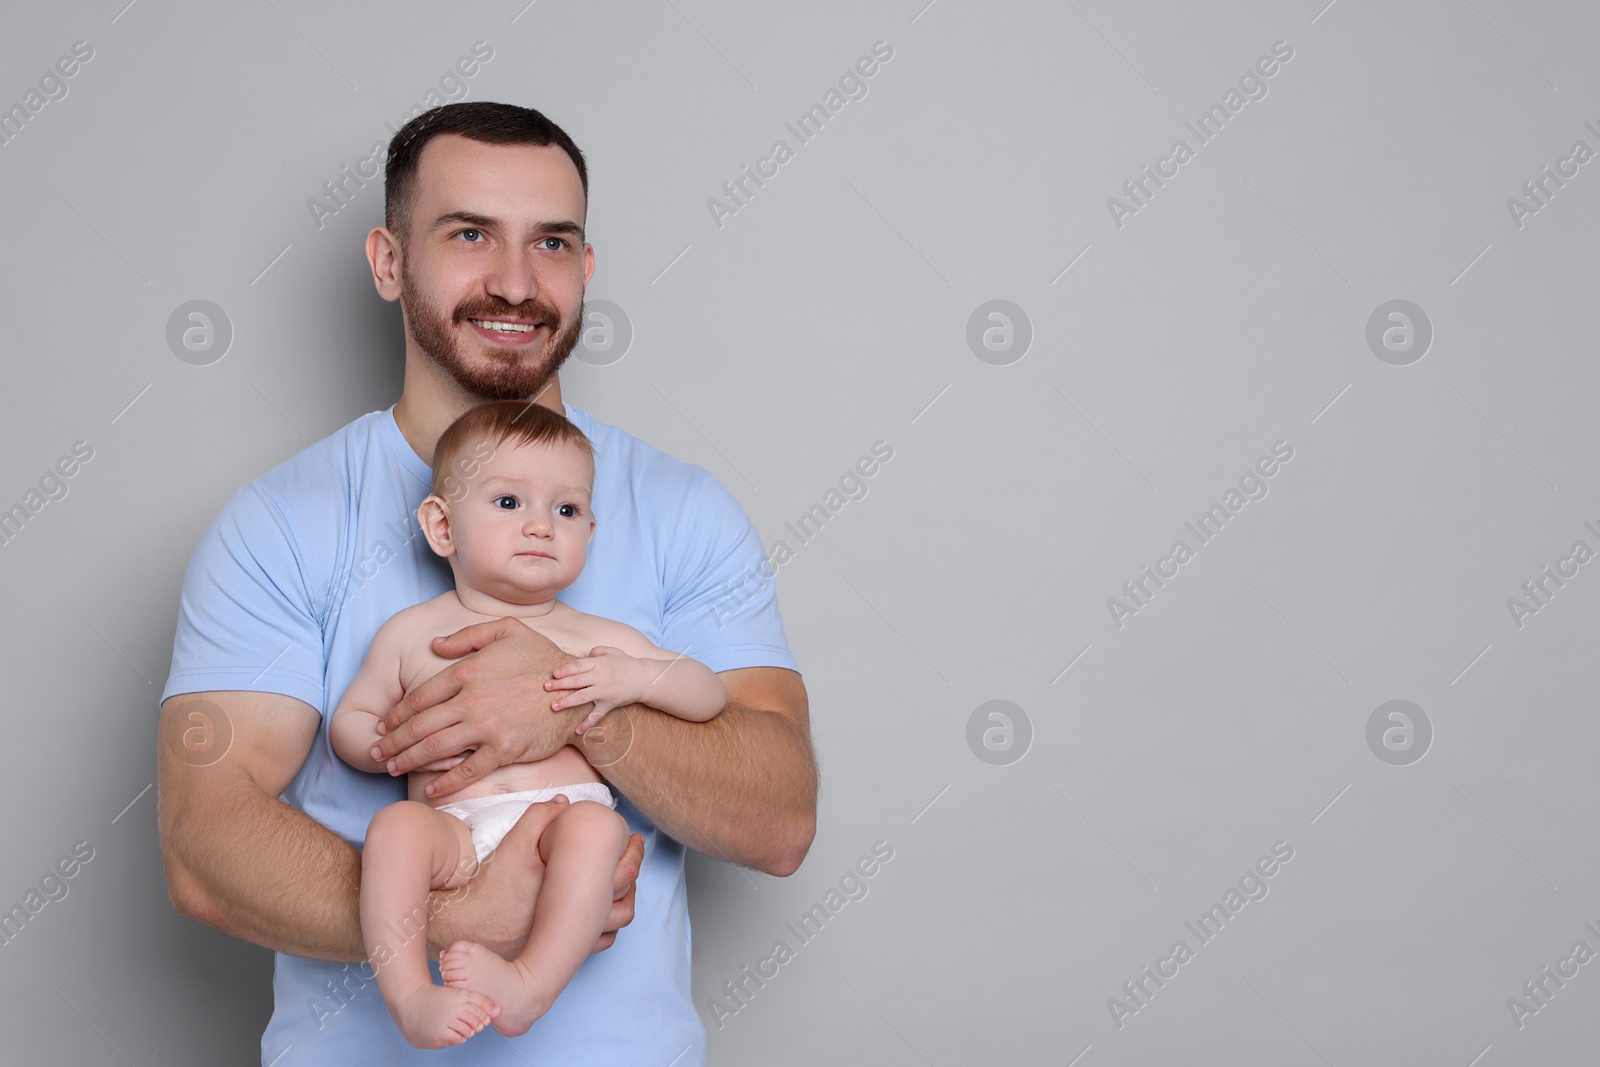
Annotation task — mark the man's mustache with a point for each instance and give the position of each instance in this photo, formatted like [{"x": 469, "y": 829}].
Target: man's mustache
[{"x": 528, "y": 309}]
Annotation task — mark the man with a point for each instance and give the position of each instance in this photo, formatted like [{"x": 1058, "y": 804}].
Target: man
[{"x": 483, "y": 247}]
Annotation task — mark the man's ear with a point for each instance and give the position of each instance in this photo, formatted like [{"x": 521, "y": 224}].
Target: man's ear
[
  {"x": 434, "y": 517},
  {"x": 383, "y": 254}
]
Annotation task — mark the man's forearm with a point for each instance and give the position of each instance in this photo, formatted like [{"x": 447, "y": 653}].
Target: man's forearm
[
  {"x": 741, "y": 787},
  {"x": 252, "y": 866}
]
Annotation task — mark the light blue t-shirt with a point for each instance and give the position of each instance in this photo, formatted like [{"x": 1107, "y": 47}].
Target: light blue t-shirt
[{"x": 284, "y": 593}]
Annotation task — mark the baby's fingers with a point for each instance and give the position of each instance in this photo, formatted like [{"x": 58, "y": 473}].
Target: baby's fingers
[
  {"x": 577, "y": 666},
  {"x": 601, "y": 709},
  {"x": 572, "y": 700},
  {"x": 571, "y": 682}
]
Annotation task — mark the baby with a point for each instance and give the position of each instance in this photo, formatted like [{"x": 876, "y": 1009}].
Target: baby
[{"x": 516, "y": 531}]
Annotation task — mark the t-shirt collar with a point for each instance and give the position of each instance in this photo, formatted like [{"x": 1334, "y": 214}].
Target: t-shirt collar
[{"x": 402, "y": 449}]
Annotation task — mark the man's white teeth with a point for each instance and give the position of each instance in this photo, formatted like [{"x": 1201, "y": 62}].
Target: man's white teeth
[{"x": 503, "y": 327}]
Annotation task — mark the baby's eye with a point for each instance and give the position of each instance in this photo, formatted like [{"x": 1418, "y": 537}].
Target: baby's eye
[
  {"x": 567, "y": 511},
  {"x": 505, "y": 503}
]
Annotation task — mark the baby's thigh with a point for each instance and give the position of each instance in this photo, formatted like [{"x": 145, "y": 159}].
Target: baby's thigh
[
  {"x": 407, "y": 836},
  {"x": 455, "y": 854}
]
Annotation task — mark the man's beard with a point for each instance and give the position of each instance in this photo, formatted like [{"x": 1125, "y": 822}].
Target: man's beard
[{"x": 509, "y": 375}]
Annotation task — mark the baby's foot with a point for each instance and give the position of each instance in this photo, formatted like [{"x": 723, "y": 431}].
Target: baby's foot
[
  {"x": 433, "y": 1017},
  {"x": 522, "y": 1000}
]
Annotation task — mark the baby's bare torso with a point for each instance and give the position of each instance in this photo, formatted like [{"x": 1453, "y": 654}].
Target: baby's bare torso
[{"x": 570, "y": 630}]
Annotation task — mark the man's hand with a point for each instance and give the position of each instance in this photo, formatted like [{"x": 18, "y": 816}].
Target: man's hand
[
  {"x": 493, "y": 702},
  {"x": 493, "y": 909},
  {"x": 607, "y": 678}
]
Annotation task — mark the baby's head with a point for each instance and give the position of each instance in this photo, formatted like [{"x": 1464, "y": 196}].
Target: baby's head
[{"x": 510, "y": 507}]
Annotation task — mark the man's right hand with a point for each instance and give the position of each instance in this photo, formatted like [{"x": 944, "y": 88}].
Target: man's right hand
[
  {"x": 492, "y": 702},
  {"x": 496, "y": 908}
]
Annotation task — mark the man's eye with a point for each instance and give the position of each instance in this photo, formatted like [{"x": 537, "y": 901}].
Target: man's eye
[
  {"x": 555, "y": 244},
  {"x": 505, "y": 503},
  {"x": 471, "y": 236}
]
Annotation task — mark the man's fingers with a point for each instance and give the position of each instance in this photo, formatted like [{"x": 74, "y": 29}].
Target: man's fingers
[
  {"x": 624, "y": 886},
  {"x": 464, "y": 773},
  {"x": 469, "y": 638},
  {"x": 453, "y": 740},
  {"x": 523, "y": 837},
  {"x": 628, "y": 871},
  {"x": 436, "y": 690},
  {"x": 414, "y": 729},
  {"x": 621, "y": 915}
]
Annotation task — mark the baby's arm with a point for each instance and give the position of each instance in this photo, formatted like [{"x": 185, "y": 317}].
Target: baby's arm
[
  {"x": 375, "y": 689},
  {"x": 632, "y": 670}
]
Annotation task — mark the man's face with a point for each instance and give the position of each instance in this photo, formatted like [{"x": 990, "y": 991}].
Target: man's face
[
  {"x": 521, "y": 530},
  {"x": 494, "y": 264}
]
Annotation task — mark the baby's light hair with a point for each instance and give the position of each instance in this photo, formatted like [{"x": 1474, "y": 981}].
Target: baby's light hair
[{"x": 498, "y": 421}]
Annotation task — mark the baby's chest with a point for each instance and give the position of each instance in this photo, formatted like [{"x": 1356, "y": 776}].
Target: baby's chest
[{"x": 421, "y": 662}]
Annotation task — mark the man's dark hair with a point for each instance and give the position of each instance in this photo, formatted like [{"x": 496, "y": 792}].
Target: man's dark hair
[{"x": 479, "y": 120}]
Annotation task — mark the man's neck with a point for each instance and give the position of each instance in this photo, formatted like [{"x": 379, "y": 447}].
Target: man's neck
[{"x": 427, "y": 407}]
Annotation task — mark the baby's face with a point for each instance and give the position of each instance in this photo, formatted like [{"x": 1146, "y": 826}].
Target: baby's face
[{"x": 523, "y": 525}]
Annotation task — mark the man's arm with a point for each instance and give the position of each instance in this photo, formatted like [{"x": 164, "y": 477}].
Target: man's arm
[
  {"x": 741, "y": 787},
  {"x": 239, "y": 859}
]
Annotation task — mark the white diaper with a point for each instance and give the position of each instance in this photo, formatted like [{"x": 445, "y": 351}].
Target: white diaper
[{"x": 490, "y": 818}]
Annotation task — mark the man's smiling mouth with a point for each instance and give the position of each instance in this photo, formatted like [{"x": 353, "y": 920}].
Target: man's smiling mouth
[{"x": 505, "y": 327}]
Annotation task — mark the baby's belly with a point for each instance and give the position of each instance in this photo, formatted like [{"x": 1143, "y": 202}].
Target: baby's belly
[{"x": 566, "y": 767}]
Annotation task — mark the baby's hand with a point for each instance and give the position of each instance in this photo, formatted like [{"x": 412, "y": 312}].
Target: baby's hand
[{"x": 608, "y": 677}]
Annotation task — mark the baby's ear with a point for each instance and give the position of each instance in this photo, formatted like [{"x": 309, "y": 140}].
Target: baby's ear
[{"x": 434, "y": 516}]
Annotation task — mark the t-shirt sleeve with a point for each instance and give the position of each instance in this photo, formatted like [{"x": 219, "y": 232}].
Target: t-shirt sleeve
[
  {"x": 721, "y": 603},
  {"x": 247, "y": 619}
]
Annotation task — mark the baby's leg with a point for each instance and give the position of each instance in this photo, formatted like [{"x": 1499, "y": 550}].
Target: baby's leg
[
  {"x": 581, "y": 849},
  {"x": 411, "y": 849}
]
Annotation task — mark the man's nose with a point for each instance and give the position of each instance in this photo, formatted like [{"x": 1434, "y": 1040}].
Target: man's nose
[{"x": 513, "y": 277}]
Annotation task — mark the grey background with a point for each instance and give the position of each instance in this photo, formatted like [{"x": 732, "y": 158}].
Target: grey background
[{"x": 831, "y": 312}]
